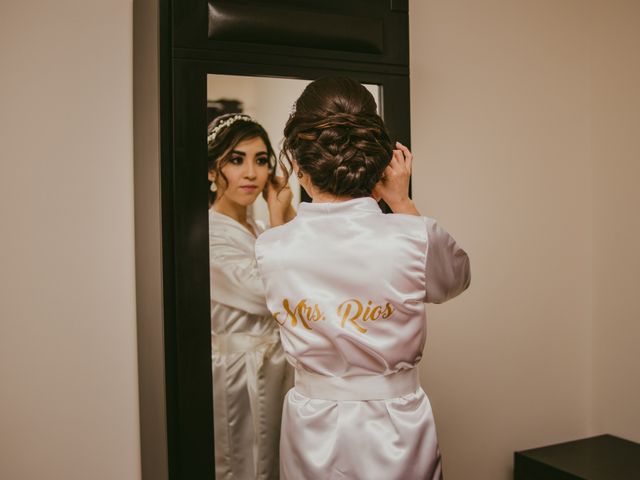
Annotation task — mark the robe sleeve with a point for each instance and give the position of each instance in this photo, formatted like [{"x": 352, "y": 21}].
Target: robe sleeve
[
  {"x": 235, "y": 281},
  {"x": 448, "y": 273}
]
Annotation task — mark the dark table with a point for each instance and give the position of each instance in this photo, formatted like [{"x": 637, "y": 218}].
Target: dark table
[{"x": 604, "y": 457}]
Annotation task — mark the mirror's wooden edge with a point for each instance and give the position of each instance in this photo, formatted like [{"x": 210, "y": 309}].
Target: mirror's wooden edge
[
  {"x": 279, "y": 25},
  {"x": 212, "y": 55},
  {"x": 150, "y": 294},
  {"x": 191, "y": 24},
  {"x": 291, "y": 71},
  {"x": 189, "y": 323}
]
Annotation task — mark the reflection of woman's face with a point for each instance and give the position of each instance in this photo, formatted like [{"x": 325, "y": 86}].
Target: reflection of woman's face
[{"x": 247, "y": 172}]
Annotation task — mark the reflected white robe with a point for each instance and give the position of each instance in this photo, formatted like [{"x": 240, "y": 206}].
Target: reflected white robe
[
  {"x": 350, "y": 251},
  {"x": 250, "y": 372}
]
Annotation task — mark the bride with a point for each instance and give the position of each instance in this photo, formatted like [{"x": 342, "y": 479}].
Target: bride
[{"x": 249, "y": 369}]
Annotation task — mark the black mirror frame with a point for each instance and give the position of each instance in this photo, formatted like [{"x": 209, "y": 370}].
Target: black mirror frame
[{"x": 186, "y": 57}]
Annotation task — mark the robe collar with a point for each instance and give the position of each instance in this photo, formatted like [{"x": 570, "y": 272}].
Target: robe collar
[
  {"x": 216, "y": 217},
  {"x": 348, "y": 207}
]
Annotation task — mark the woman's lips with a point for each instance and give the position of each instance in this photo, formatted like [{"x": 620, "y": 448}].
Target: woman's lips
[{"x": 249, "y": 188}]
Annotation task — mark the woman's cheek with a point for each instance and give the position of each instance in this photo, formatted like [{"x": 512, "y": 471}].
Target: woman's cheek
[{"x": 264, "y": 178}]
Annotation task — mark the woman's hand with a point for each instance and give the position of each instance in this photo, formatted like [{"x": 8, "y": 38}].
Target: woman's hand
[
  {"x": 278, "y": 200},
  {"x": 393, "y": 188}
]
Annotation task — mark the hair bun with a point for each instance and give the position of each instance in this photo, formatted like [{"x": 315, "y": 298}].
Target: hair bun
[{"x": 337, "y": 138}]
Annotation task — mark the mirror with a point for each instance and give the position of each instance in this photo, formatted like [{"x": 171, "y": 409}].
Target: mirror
[
  {"x": 269, "y": 101},
  {"x": 250, "y": 373}
]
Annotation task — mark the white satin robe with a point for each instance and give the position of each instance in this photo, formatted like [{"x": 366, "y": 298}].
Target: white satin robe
[
  {"x": 250, "y": 372},
  {"x": 351, "y": 252}
]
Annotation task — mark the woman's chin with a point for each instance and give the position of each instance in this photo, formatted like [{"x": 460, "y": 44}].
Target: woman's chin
[{"x": 246, "y": 199}]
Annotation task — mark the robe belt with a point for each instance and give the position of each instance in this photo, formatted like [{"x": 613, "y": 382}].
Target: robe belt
[
  {"x": 358, "y": 387},
  {"x": 240, "y": 342}
]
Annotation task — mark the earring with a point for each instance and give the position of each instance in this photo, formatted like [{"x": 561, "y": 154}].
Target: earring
[{"x": 213, "y": 187}]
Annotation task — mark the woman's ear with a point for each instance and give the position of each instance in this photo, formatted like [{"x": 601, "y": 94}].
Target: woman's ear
[{"x": 212, "y": 176}]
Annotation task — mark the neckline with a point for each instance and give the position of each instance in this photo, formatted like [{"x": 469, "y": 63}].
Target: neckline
[
  {"x": 236, "y": 223},
  {"x": 360, "y": 204}
]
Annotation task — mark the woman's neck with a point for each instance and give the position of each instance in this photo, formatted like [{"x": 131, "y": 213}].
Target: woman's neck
[
  {"x": 322, "y": 197},
  {"x": 233, "y": 210}
]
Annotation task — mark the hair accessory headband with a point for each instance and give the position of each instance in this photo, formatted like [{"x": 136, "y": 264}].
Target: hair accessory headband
[{"x": 225, "y": 124}]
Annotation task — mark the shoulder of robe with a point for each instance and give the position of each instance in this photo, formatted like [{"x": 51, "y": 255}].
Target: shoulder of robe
[
  {"x": 220, "y": 237},
  {"x": 224, "y": 244},
  {"x": 400, "y": 222},
  {"x": 270, "y": 244},
  {"x": 406, "y": 218},
  {"x": 274, "y": 234}
]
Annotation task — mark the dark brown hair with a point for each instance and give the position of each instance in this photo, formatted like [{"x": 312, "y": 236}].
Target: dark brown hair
[
  {"x": 337, "y": 138},
  {"x": 227, "y": 137}
]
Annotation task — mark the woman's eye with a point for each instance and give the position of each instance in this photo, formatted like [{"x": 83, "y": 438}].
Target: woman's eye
[
  {"x": 235, "y": 160},
  {"x": 262, "y": 161}
]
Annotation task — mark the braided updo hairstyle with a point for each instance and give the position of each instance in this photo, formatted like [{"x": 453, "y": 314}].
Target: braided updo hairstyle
[{"x": 337, "y": 138}]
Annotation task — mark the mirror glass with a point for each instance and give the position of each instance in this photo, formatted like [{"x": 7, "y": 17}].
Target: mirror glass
[{"x": 250, "y": 372}]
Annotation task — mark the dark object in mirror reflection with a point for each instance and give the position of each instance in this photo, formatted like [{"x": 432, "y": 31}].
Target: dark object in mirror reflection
[{"x": 222, "y": 106}]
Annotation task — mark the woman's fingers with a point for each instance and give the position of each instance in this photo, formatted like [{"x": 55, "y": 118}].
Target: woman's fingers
[
  {"x": 397, "y": 160},
  {"x": 400, "y": 163},
  {"x": 389, "y": 172},
  {"x": 399, "y": 157},
  {"x": 402, "y": 147},
  {"x": 408, "y": 156}
]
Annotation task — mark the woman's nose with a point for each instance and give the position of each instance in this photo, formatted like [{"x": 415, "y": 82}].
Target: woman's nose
[{"x": 250, "y": 171}]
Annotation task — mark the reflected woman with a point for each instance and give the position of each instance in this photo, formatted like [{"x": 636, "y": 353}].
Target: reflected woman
[{"x": 249, "y": 369}]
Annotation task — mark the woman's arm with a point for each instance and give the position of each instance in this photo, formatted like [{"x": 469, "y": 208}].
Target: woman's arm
[{"x": 447, "y": 273}]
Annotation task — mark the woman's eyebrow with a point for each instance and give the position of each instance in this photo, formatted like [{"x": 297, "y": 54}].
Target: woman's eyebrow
[{"x": 238, "y": 152}]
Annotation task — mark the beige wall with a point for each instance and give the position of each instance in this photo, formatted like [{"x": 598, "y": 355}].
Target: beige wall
[
  {"x": 615, "y": 143},
  {"x": 68, "y": 374},
  {"x": 525, "y": 125},
  {"x": 532, "y": 163}
]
